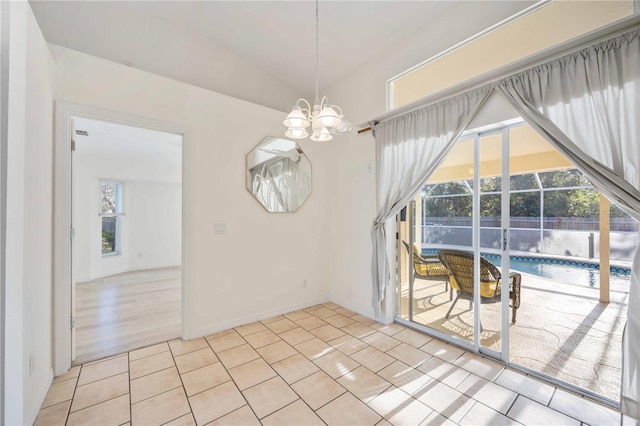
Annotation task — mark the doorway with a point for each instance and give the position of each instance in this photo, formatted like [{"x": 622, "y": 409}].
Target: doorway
[
  {"x": 127, "y": 238},
  {"x": 66, "y": 116}
]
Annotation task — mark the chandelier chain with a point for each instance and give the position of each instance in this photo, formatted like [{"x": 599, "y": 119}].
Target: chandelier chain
[{"x": 317, "y": 54}]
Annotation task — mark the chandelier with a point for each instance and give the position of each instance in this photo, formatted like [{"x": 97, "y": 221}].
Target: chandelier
[{"x": 325, "y": 119}]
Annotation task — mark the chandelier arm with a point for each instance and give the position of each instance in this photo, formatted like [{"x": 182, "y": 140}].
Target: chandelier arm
[
  {"x": 338, "y": 108},
  {"x": 323, "y": 102},
  {"x": 306, "y": 103}
]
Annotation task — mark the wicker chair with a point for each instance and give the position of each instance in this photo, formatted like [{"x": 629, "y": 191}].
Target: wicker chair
[
  {"x": 429, "y": 267},
  {"x": 460, "y": 266}
]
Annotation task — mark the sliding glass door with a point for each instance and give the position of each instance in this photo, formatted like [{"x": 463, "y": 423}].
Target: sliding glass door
[
  {"x": 453, "y": 248},
  {"x": 505, "y": 210}
]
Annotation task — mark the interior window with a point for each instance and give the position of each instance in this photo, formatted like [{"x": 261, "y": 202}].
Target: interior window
[{"x": 111, "y": 216}]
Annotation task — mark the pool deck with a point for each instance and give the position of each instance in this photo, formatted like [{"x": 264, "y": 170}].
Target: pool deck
[{"x": 562, "y": 330}]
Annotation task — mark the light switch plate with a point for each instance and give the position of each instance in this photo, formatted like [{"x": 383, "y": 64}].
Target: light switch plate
[{"x": 220, "y": 228}]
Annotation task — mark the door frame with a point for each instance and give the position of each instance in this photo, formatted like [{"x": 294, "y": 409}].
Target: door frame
[{"x": 62, "y": 210}]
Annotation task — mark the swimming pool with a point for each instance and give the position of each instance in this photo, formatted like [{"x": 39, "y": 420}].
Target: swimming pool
[{"x": 568, "y": 271}]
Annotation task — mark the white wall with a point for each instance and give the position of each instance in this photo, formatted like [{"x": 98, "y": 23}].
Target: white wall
[
  {"x": 29, "y": 220},
  {"x": 256, "y": 269},
  {"x": 149, "y": 166},
  {"x": 362, "y": 96},
  {"x": 154, "y": 218}
]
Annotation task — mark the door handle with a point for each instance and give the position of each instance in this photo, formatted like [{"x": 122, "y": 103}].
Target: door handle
[{"x": 504, "y": 239}]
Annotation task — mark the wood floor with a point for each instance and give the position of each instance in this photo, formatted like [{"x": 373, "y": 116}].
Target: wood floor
[{"x": 127, "y": 311}]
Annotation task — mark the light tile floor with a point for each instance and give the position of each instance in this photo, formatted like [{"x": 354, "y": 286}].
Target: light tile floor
[
  {"x": 562, "y": 329},
  {"x": 321, "y": 365}
]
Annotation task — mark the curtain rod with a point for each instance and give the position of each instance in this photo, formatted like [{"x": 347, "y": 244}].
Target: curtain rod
[{"x": 563, "y": 49}]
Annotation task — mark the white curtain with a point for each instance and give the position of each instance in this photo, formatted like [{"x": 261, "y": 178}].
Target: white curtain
[
  {"x": 588, "y": 106},
  {"x": 408, "y": 150},
  {"x": 281, "y": 184}
]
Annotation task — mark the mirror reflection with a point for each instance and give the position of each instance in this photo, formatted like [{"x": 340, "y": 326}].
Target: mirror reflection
[{"x": 279, "y": 175}]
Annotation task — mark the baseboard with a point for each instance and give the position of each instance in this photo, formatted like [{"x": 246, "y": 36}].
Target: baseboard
[
  {"x": 140, "y": 269},
  {"x": 362, "y": 310},
  {"x": 205, "y": 331},
  {"x": 152, "y": 267},
  {"x": 42, "y": 394}
]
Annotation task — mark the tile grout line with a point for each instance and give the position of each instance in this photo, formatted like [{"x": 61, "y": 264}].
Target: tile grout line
[
  {"x": 149, "y": 356},
  {"x": 98, "y": 403},
  {"x": 234, "y": 384},
  {"x": 101, "y": 360},
  {"x": 289, "y": 385},
  {"x": 191, "y": 351},
  {"x": 154, "y": 372},
  {"x": 153, "y": 396},
  {"x": 204, "y": 390},
  {"x": 548, "y": 404},
  {"x": 278, "y": 375},
  {"x": 506, "y": 413},
  {"x": 65, "y": 380},
  {"x": 180, "y": 416},
  {"x": 102, "y": 378},
  {"x": 184, "y": 389},
  {"x": 411, "y": 395},
  {"x": 92, "y": 405},
  {"x": 73, "y": 396},
  {"x": 293, "y": 402}
]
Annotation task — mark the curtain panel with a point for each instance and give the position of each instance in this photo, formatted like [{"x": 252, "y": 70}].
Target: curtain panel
[
  {"x": 279, "y": 185},
  {"x": 587, "y": 105},
  {"x": 409, "y": 148}
]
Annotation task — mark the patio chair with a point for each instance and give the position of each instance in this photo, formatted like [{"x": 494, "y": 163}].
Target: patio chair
[
  {"x": 429, "y": 267},
  {"x": 460, "y": 266}
]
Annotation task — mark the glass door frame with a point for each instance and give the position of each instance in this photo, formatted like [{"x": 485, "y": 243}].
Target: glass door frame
[
  {"x": 505, "y": 221},
  {"x": 475, "y": 346}
]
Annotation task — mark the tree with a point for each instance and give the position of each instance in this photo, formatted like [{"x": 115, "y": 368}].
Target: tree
[{"x": 454, "y": 199}]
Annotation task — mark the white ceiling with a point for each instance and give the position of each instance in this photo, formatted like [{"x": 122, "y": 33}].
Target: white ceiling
[
  {"x": 147, "y": 154},
  {"x": 210, "y": 43}
]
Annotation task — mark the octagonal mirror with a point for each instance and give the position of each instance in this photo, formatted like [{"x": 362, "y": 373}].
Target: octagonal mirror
[{"x": 278, "y": 175}]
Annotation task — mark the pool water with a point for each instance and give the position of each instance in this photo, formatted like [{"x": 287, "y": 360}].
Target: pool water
[{"x": 568, "y": 271}]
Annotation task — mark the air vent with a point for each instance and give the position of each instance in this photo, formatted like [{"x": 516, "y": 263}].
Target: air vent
[{"x": 82, "y": 133}]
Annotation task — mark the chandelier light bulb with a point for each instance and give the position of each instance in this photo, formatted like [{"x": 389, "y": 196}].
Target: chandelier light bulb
[
  {"x": 296, "y": 118},
  {"x": 328, "y": 117},
  {"x": 321, "y": 134},
  {"x": 344, "y": 127},
  {"x": 296, "y": 133}
]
